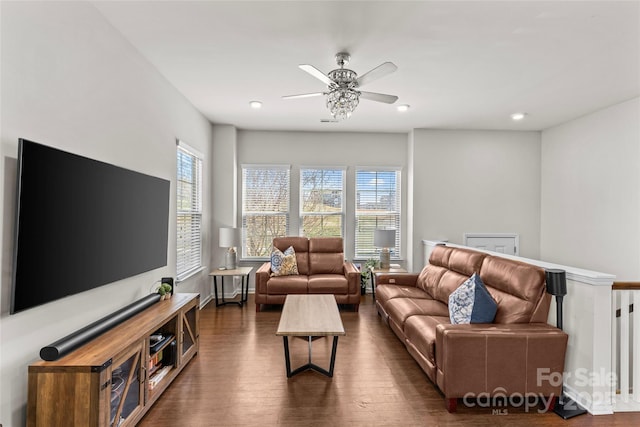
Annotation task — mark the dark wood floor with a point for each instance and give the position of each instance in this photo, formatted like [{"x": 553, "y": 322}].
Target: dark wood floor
[{"x": 238, "y": 379}]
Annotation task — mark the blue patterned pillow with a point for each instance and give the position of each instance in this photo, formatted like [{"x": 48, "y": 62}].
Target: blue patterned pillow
[
  {"x": 472, "y": 303},
  {"x": 283, "y": 263}
]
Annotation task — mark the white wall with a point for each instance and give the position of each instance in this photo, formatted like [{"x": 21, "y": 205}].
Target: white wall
[
  {"x": 69, "y": 80},
  {"x": 224, "y": 187},
  {"x": 348, "y": 150},
  {"x": 590, "y": 209},
  {"x": 476, "y": 181}
]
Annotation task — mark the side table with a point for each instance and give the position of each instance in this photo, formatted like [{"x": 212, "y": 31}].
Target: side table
[
  {"x": 375, "y": 270},
  {"x": 242, "y": 272}
]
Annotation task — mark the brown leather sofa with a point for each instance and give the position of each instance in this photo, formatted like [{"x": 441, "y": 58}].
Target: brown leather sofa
[
  {"x": 519, "y": 354},
  {"x": 322, "y": 270}
]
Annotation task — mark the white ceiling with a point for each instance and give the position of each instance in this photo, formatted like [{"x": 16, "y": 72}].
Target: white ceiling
[{"x": 461, "y": 65}]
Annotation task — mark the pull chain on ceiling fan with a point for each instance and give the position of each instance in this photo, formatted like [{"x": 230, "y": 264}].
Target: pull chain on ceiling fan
[{"x": 342, "y": 83}]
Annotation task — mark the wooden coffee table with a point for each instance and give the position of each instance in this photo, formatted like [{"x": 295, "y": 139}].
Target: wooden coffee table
[{"x": 310, "y": 316}]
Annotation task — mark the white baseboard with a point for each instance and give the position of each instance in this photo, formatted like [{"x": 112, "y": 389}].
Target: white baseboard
[{"x": 599, "y": 407}]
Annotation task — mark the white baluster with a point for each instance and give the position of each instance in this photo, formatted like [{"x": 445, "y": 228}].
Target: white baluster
[
  {"x": 624, "y": 345},
  {"x": 615, "y": 342},
  {"x": 636, "y": 346}
]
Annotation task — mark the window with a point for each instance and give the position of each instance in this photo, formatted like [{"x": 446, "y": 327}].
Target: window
[
  {"x": 265, "y": 208},
  {"x": 189, "y": 211},
  {"x": 377, "y": 206},
  {"x": 321, "y": 202}
]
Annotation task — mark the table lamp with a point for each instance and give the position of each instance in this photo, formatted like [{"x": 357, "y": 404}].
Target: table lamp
[
  {"x": 384, "y": 239},
  {"x": 229, "y": 239},
  {"x": 557, "y": 286}
]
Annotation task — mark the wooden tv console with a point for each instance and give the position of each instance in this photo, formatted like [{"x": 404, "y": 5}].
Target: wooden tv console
[{"x": 115, "y": 378}]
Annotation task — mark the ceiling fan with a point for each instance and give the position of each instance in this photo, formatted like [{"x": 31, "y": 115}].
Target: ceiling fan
[{"x": 342, "y": 92}]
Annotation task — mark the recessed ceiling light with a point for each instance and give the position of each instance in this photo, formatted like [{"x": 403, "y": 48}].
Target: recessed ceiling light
[
  {"x": 256, "y": 104},
  {"x": 403, "y": 107},
  {"x": 518, "y": 116}
]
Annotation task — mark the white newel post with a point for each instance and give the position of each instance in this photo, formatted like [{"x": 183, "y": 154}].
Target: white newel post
[{"x": 589, "y": 373}]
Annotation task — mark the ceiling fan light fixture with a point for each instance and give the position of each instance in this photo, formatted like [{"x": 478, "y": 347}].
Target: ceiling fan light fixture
[
  {"x": 343, "y": 76},
  {"x": 341, "y": 101},
  {"x": 518, "y": 116},
  {"x": 404, "y": 107},
  {"x": 255, "y": 105},
  {"x": 342, "y": 95}
]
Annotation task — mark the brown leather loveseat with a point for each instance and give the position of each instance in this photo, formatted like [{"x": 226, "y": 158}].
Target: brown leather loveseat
[
  {"x": 321, "y": 267},
  {"x": 519, "y": 354}
]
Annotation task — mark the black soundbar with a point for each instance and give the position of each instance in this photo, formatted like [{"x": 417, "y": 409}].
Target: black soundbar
[{"x": 81, "y": 336}]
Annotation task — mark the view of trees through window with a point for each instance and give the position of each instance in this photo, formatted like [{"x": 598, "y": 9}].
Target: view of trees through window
[
  {"x": 322, "y": 210},
  {"x": 377, "y": 206},
  {"x": 189, "y": 211},
  {"x": 265, "y": 208}
]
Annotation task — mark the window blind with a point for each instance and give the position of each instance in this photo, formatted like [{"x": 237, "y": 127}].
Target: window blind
[
  {"x": 378, "y": 205},
  {"x": 322, "y": 202},
  {"x": 265, "y": 207},
  {"x": 189, "y": 211}
]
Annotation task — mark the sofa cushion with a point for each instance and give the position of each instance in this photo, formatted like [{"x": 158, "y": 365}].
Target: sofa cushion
[
  {"x": 326, "y": 255},
  {"x": 421, "y": 332},
  {"x": 326, "y": 263},
  {"x": 300, "y": 245},
  {"x": 429, "y": 278},
  {"x": 472, "y": 303},
  {"x": 400, "y": 309},
  {"x": 463, "y": 261},
  {"x": 325, "y": 244},
  {"x": 515, "y": 286},
  {"x": 449, "y": 282},
  {"x": 283, "y": 263},
  {"x": 386, "y": 292},
  {"x": 282, "y": 285},
  {"x": 466, "y": 261},
  {"x": 448, "y": 268},
  {"x": 328, "y": 284}
]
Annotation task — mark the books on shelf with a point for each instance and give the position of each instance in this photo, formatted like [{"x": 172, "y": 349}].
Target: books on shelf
[
  {"x": 155, "y": 360},
  {"x": 158, "y": 376}
]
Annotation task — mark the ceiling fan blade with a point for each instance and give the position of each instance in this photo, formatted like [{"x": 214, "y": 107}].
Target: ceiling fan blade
[
  {"x": 316, "y": 73},
  {"x": 380, "y": 71},
  {"x": 303, "y": 95},
  {"x": 380, "y": 97}
]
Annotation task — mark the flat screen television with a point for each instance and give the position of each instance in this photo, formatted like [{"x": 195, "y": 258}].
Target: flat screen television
[{"x": 82, "y": 223}]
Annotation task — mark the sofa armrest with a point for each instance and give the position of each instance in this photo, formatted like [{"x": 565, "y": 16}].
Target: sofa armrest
[
  {"x": 499, "y": 359},
  {"x": 262, "y": 276},
  {"x": 400, "y": 279},
  {"x": 352, "y": 274}
]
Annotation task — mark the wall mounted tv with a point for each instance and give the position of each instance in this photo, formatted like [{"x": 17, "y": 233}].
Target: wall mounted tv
[{"x": 81, "y": 223}]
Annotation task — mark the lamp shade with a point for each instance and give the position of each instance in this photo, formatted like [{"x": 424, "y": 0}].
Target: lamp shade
[
  {"x": 556, "y": 281},
  {"x": 384, "y": 238},
  {"x": 228, "y": 237}
]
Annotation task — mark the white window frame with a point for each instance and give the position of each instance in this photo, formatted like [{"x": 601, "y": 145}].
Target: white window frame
[
  {"x": 274, "y": 212},
  {"x": 321, "y": 213},
  {"x": 373, "y": 252},
  {"x": 189, "y": 245}
]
